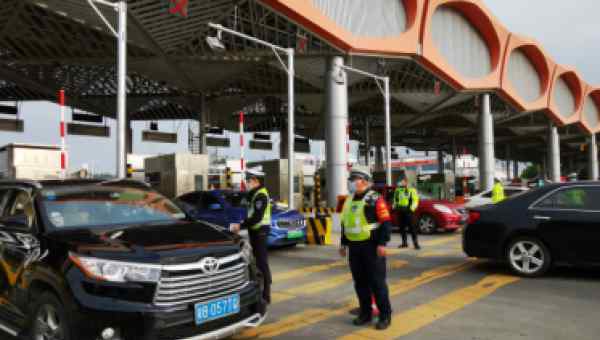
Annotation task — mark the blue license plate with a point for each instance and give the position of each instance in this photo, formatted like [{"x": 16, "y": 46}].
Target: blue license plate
[{"x": 217, "y": 309}]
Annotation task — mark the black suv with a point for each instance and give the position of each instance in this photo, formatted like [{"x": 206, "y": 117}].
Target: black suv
[{"x": 115, "y": 260}]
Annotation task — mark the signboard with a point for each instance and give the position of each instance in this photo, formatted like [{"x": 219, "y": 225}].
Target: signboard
[
  {"x": 218, "y": 142},
  {"x": 262, "y": 136},
  {"x": 259, "y": 145},
  {"x": 302, "y": 145},
  {"x": 13, "y": 125},
  {"x": 8, "y": 110},
  {"x": 159, "y": 137},
  {"x": 88, "y": 130},
  {"x": 82, "y": 117}
]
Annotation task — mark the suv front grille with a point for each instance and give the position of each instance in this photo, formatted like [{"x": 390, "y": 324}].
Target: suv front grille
[{"x": 186, "y": 284}]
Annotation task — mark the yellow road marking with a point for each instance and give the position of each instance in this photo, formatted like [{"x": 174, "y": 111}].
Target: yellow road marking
[
  {"x": 423, "y": 315},
  {"x": 319, "y": 286},
  {"x": 429, "y": 243},
  {"x": 301, "y": 272},
  {"x": 312, "y": 316},
  {"x": 440, "y": 253}
]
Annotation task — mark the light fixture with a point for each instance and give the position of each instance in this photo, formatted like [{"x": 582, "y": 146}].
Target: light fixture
[{"x": 215, "y": 43}]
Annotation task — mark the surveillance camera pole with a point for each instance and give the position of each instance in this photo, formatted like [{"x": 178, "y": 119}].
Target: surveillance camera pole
[
  {"x": 385, "y": 91},
  {"x": 121, "y": 34},
  {"x": 289, "y": 68}
]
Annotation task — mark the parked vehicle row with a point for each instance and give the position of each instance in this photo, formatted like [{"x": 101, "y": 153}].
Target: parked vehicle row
[{"x": 121, "y": 255}]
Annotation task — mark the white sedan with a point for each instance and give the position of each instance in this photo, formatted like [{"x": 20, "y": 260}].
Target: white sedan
[{"x": 485, "y": 197}]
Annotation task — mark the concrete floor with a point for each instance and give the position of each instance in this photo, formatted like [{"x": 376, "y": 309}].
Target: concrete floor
[{"x": 437, "y": 294}]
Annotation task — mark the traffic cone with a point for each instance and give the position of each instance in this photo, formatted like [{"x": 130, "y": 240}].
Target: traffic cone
[{"x": 374, "y": 306}]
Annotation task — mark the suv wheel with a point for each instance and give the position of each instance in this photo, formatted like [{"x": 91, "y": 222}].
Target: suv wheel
[
  {"x": 528, "y": 256},
  {"x": 427, "y": 224},
  {"x": 49, "y": 320}
]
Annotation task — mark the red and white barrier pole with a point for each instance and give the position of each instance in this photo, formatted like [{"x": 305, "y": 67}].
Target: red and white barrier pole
[
  {"x": 63, "y": 152},
  {"x": 242, "y": 165}
]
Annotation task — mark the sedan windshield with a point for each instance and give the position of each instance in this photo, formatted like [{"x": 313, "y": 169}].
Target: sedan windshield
[{"x": 102, "y": 206}]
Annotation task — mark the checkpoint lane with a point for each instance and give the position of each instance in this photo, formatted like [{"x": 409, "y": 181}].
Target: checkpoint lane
[{"x": 438, "y": 294}]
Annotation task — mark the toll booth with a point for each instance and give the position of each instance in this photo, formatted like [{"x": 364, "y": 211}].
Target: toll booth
[
  {"x": 437, "y": 186},
  {"x": 177, "y": 174},
  {"x": 30, "y": 161},
  {"x": 276, "y": 180}
]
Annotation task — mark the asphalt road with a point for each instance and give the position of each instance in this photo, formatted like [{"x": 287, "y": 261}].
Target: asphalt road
[{"x": 437, "y": 294}]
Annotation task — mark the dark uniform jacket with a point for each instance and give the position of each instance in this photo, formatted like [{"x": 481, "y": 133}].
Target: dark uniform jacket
[
  {"x": 376, "y": 211},
  {"x": 260, "y": 205}
]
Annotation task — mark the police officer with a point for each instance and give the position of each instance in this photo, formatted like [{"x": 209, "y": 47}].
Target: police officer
[
  {"x": 365, "y": 232},
  {"x": 497, "y": 191},
  {"x": 406, "y": 202},
  {"x": 258, "y": 224}
]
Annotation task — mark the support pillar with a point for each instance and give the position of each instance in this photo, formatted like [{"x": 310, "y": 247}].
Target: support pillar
[
  {"x": 368, "y": 142},
  {"x": 283, "y": 142},
  {"x": 202, "y": 119},
  {"x": 440, "y": 156},
  {"x": 487, "y": 158},
  {"x": 336, "y": 125},
  {"x": 553, "y": 153},
  {"x": 508, "y": 167},
  {"x": 378, "y": 158},
  {"x": 454, "y": 152},
  {"x": 593, "y": 161},
  {"x": 516, "y": 173},
  {"x": 128, "y": 138}
]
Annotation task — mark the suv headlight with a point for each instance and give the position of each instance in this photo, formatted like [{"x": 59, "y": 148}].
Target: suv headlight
[
  {"x": 247, "y": 252},
  {"x": 116, "y": 271}
]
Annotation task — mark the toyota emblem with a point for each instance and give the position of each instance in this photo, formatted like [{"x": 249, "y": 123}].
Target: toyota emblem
[{"x": 209, "y": 265}]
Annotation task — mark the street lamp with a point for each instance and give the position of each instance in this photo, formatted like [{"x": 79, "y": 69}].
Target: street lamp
[
  {"x": 216, "y": 44},
  {"x": 121, "y": 34},
  {"x": 385, "y": 91}
]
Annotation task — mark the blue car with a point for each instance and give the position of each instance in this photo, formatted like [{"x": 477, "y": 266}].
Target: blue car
[{"x": 222, "y": 207}]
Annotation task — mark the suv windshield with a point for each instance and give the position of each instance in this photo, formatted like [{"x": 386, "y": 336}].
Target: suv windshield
[
  {"x": 101, "y": 206},
  {"x": 236, "y": 199}
]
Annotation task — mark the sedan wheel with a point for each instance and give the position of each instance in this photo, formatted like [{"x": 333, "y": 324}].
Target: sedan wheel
[
  {"x": 49, "y": 320},
  {"x": 528, "y": 257},
  {"x": 427, "y": 224}
]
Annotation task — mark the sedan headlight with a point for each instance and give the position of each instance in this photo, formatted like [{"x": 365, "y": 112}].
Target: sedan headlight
[
  {"x": 442, "y": 208},
  {"x": 116, "y": 271},
  {"x": 247, "y": 252}
]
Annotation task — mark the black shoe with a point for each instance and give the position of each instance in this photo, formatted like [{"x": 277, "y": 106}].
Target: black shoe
[
  {"x": 355, "y": 311},
  {"x": 403, "y": 245},
  {"x": 383, "y": 323},
  {"x": 362, "y": 320},
  {"x": 417, "y": 247}
]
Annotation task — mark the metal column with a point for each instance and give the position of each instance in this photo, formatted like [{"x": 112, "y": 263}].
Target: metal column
[
  {"x": 440, "y": 156},
  {"x": 122, "y": 90},
  {"x": 487, "y": 158},
  {"x": 368, "y": 142},
  {"x": 508, "y": 167},
  {"x": 129, "y": 137},
  {"x": 593, "y": 162},
  {"x": 336, "y": 122},
  {"x": 554, "y": 153},
  {"x": 516, "y": 168},
  {"x": 291, "y": 130}
]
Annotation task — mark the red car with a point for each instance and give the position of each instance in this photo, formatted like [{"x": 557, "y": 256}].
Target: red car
[{"x": 431, "y": 215}]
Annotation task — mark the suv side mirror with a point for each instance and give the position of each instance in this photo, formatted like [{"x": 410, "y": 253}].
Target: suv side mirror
[
  {"x": 215, "y": 206},
  {"x": 20, "y": 221}
]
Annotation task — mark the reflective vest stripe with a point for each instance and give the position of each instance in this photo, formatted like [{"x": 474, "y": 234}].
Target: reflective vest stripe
[{"x": 266, "y": 220}]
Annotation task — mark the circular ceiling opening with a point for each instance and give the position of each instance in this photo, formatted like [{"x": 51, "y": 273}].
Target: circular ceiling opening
[{"x": 564, "y": 97}]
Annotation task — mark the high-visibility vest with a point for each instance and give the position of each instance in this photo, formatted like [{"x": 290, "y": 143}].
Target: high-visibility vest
[
  {"x": 497, "y": 193},
  {"x": 266, "y": 220},
  {"x": 406, "y": 197},
  {"x": 356, "y": 226}
]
